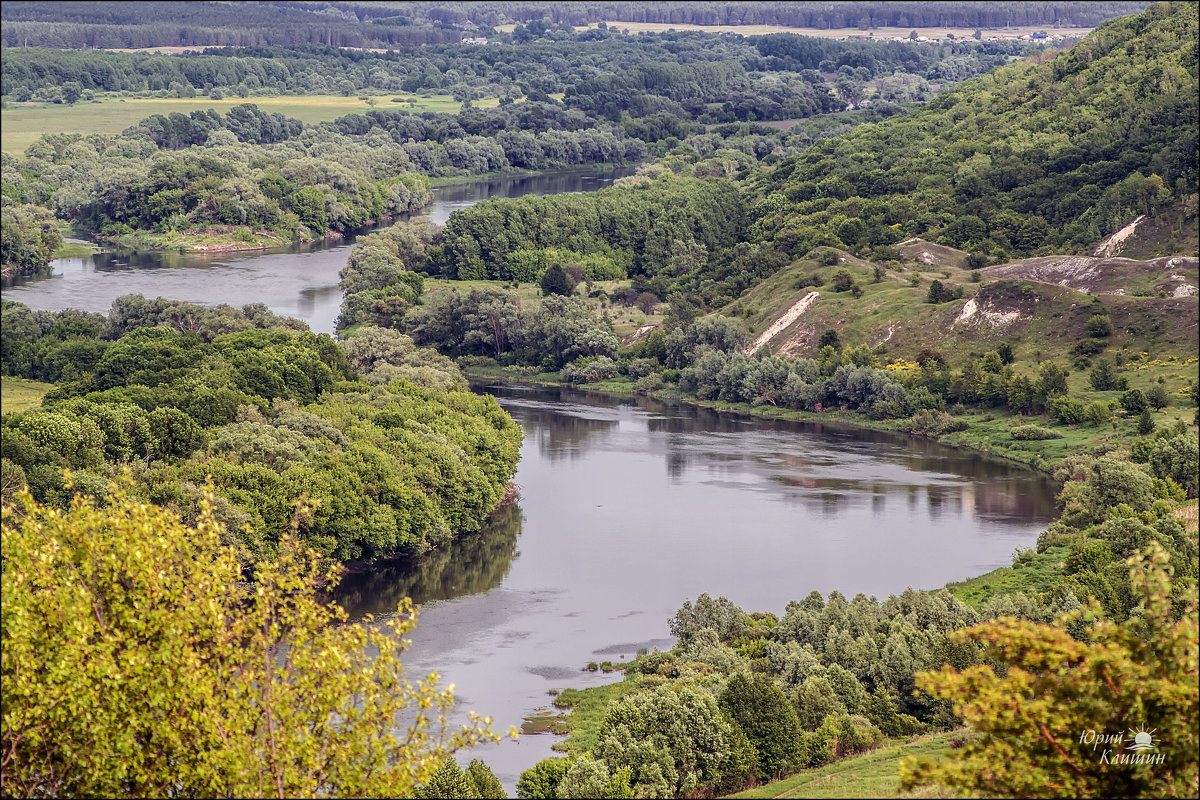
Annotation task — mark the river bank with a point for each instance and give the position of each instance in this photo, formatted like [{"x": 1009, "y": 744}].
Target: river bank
[
  {"x": 613, "y": 490},
  {"x": 293, "y": 279},
  {"x": 987, "y": 432}
]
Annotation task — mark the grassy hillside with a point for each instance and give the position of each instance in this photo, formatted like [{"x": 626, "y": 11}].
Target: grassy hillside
[
  {"x": 872, "y": 774},
  {"x": 1038, "y": 318},
  {"x": 20, "y": 394},
  {"x": 1057, "y": 151}
]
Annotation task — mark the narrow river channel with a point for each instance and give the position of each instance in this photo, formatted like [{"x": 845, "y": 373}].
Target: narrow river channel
[
  {"x": 300, "y": 281},
  {"x": 630, "y": 507}
]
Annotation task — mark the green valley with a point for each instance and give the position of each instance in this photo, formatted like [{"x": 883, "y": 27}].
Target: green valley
[{"x": 682, "y": 371}]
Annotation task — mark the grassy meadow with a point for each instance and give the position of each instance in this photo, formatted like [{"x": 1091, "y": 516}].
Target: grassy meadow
[
  {"x": 19, "y": 394},
  {"x": 22, "y": 123},
  {"x": 872, "y": 774}
]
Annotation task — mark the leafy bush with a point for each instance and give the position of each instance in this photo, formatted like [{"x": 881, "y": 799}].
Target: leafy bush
[
  {"x": 1067, "y": 410},
  {"x": 1034, "y": 433},
  {"x": 1134, "y": 401},
  {"x": 1100, "y": 326},
  {"x": 1096, "y": 413},
  {"x": 933, "y": 423},
  {"x": 1067, "y": 687},
  {"x": 540, "y": 782},
  {"x": 1177, "y": 458}
]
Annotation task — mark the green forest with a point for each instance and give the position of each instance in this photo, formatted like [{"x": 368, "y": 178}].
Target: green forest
[
  {"x": 367, "y": 24},
  {"x": 252, "y": 178},
  {"x": 989, "y": 244},
  {"x": 1033, "y": 156},
  {"x": 181, "y": 396}
]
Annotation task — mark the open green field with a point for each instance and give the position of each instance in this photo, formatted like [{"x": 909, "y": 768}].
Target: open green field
[
  {"x": 19, "y": 394},
  {"x": 22, "y": 123},
  {"x": 872, "y": 774}
]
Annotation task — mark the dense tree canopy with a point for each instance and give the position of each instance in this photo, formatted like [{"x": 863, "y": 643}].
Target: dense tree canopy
[
  {"x": 643, "y": 223},
  {"x": 240, "y": 174},
  {"x": 400, "y": 463},
  {"x": 28, "y": 237}
]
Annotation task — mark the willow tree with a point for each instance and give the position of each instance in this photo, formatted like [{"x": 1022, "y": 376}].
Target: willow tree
[
  {"x": 137, "y": 663},
  {"x": 1111, "y": 715}
]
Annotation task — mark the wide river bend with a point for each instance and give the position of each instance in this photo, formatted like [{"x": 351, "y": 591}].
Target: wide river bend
[{"x": 628, "y": 507}]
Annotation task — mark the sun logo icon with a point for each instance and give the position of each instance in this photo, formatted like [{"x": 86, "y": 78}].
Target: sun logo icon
[{"x": 1142, "y": 739}]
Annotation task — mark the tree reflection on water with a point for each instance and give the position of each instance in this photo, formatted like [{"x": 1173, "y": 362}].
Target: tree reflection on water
[{"x": 468, "y": 564}]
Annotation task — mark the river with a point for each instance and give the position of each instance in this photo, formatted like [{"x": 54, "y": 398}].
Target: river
[
  {"x": 299, "y": 281},
  {"x": 630, "y": 507}
]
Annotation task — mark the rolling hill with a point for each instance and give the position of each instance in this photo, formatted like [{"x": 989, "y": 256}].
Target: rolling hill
[{"x": 1048, "y": 155}]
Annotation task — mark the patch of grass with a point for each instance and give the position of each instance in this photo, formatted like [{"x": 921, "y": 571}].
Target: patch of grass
[
  {"x": 19, "y": 394},
  {"x": 873, "y": 774},
  {"x": 22, "y": 123},
  {"x": 1037, "y": 572},
  {"x": 543, "y": 720},
  {"x": 74, "y": 250},
  {"x": 587, "y": 710}
]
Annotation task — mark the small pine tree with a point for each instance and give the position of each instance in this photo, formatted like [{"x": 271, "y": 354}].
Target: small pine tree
[
  {"x": 484, "y": 783},
  {"x": 762, "y": 710},
  {"x": 1145, "y": 423},
  {"x": 447, "y": 782},
  {"x": 556, "y": 281},
  {"x": 935, "y": 292}
]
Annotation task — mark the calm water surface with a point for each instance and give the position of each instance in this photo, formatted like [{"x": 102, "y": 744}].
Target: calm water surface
[
  {"x": 300, "y": 281},
  {"x": 629, "y": 507}
]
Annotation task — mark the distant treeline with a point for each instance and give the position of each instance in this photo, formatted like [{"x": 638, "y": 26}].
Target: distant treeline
[
  {"x": 351, "y": 24},
  {"x": 85, "y": 24},
  {"x": 801, "y": 15},
  {"x": 682, "y": 67}
]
